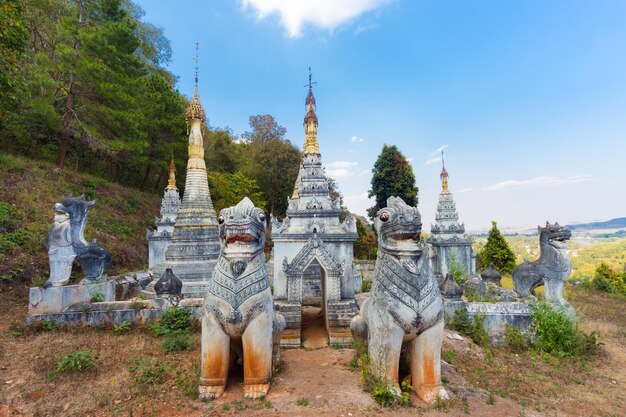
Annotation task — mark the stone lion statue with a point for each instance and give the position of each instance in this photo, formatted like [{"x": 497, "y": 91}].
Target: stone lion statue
[
  {"x": 405, "y": 310},
  {"x": 66, "y": 241},
  {"x": 239, "y": 317},
  {"x": 550, "y": 270}
]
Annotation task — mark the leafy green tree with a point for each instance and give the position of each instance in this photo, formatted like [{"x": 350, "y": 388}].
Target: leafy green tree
[
  {"x": 229, "y": 189},
  {"x": 392, "y": 176},
  {"x": 222, "y": 153},
  {"x": 609, "y": 280},
  {"x": 366, "y": 246},
  {"x": 13, "y": 40},
  {"x": 497, "y": 252},
  {"x": 273, "y": 162},
  {"x": 264, "y": 128}
]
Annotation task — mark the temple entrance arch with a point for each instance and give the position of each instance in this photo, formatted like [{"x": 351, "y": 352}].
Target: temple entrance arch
[{"x": 332, "y": 306}]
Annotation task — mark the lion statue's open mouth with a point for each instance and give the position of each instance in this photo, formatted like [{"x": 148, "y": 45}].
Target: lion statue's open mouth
[{"x": 242, "y": 229}]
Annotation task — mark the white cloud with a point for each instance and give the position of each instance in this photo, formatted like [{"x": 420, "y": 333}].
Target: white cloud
[
  {"x": 338, "y": 173},
  {"x": 410, "y": 159},
  {"x": 438, "y": 151},
  {"x": 324, "y": 14},
  {"x": 342, "y": 164},
  {"x": 465, "y": 190},
  {"x": 435, "y": 156},
  {"x": 539, "y": 182},
  {"x": 432, "y": 160},
  {"x": 357, "y": 139}
]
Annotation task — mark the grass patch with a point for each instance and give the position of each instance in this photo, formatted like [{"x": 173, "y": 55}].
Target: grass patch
[
  {"x": 177, "y": 342},
  {"x": 367, "y": 285},
  {"x": 147, "y": 372},
  {"x": 175, "y": 320},
  {"x": 302, "y": 402},
  {"x": 122, "y": 328},
  {"x": 76, "y": 362}
]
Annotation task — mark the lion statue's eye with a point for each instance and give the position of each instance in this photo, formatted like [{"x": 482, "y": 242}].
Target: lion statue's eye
[
  {"x": 220, "y": 219},
  {"x": 384, "y": 216},
  {"x": 262, "y": 217}
]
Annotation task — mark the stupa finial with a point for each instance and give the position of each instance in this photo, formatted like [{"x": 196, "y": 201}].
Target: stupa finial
[
  {"x": 443, "y": 175},
  {"x": 195, "y": 109},
  {"x": 171, "y": 182},
  {"x": 310, "y": 120}
]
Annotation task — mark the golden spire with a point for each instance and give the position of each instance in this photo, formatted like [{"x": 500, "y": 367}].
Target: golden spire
[
  {"x": 296, "y": 189},
  {"x": 444, "y": 176},
  {"x": 195, "y": 109},
  {"x": 171, "y": 182},
  {"x": 310, "y": 121}
]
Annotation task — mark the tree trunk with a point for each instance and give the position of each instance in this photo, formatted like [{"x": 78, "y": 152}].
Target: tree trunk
[
  {"x": 69, "y": 102},
  {"x": 67, "y": 118},
  {"x": 145, "y": 178}
]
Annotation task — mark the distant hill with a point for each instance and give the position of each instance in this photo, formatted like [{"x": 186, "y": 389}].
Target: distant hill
[{"x": 618, "y": 223}]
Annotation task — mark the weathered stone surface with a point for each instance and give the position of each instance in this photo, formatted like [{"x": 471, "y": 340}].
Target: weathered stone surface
[
  {"x": 239, "y": 311},
  {"x": 405, "y": 308},
  {"x": 497, "y": 316},
  {"x": 448, "y": 238},
  {"x": 550, "y": 270},
  {"x": 194, "y": 249},
  {"x": 66, "y": 241},
  {"x": 159, "y": 240},
  {"x": 168, "y": 284},
  {"x": 491, "y": 275},
  {"x": 313, "y": 249},
  {"x": 53, "y": 300}
]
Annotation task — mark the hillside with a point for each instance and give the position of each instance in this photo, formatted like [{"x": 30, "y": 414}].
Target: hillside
[
  {"x": 28, "y": 190},
  {"x": 612, "y": 224}
]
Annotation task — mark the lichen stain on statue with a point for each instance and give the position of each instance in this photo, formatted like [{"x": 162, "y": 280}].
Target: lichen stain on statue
[
  {"x": 66, "y": 241},
  {"x": 405, "y": 309},
  {"x": 239, "y": 317},
  {"x": 550, "y": 270}
]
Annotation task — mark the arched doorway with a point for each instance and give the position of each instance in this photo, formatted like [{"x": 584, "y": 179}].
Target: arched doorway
[{"x": 314, "y": 319}]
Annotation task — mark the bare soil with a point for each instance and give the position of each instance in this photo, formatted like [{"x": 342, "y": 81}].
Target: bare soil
[{"x": 313, "y": 381}]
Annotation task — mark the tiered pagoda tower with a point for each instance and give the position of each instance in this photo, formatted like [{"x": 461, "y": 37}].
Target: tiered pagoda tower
[
  {"x": 448, "y": 237},
  {"x": 160, "y": 239},
  {"x": 312, "y": 236},
  {"x": 195, "y": 246}
]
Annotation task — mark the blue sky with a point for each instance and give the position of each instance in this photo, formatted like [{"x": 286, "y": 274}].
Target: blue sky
[{"x": 528, "y": 97}]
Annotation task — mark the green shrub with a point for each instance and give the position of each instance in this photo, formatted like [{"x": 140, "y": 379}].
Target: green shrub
[
  {"x": 147, "y": 371},
  {"x": 556, "y": 332},
  {"x": 515, "y": 340},
  {"x": 608, "y": 280},
  {"x": 123, "y": 327},
  {"x": 48, "y": 324},
  {"x": 474, "y": 328},
  {"x": 97, "y": 297},
  {"x": 76, "y": 362},
  {"x": 187, "y": 382},
  {"x": 175, "y": 320},
  {"x": 177, "y": 342},
  {"x": 367, "y": 285}
]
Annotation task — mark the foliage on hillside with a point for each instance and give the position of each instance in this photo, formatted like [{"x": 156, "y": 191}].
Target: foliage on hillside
[{"x": 29, "y": 189}]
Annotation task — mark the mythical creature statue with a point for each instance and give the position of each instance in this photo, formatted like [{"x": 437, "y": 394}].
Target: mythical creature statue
[
  {"x": 405, "y": 310},
  {"x": 239, "y": 315},
  {"x": 550, "y": 270},
  {"x": 60, "y": 251},
  {"x": 66, "y": 241}
]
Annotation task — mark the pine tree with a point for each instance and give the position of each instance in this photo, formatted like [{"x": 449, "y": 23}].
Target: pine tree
[
  {"x": 392, "y": 176},
  {"x": 497, "y": 252}
]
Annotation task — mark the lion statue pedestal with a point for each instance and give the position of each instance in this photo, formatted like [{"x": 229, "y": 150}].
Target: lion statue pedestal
[{"x": 405, "y": 308}]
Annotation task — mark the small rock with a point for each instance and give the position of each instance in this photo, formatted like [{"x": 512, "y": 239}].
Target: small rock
[
  {"x": 454, "y": 336},
  {"x": 10, "y": 382}
]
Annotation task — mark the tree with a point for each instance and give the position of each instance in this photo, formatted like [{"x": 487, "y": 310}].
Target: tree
[
  {"x": 264, "y": 128},
  {"x": 392, "y": 176},
  {"x": 272, "y": 161},
  {"x": 222, "y": 153},
  {"x": 13, "y": 38},
  {"x": 229, "y": 189},
  {"x": 366, "y": 246},
  {"x": 497, "y": 252}
]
